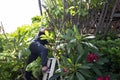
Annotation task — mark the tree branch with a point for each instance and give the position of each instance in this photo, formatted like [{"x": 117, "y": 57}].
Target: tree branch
[{"x": 2, "y": 28}]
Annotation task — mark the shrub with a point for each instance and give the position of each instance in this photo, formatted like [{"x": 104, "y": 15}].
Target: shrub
[{"x": 110, "y": 48}]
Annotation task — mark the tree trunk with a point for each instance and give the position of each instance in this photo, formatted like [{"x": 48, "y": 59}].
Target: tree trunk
[
  {"x": 111, "y": 18},
  {"x": 102, "y": 18},
  {"x": 40, "y": 7}
]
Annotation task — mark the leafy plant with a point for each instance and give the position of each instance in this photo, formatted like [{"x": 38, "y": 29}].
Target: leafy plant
[
  {"x": 79, "y": 65},
  {"x": 14, "y": 57}
]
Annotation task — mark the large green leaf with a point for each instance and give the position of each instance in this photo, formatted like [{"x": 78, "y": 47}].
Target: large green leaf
[
  {"x": 80, "y": 52},
  {"x": 85, "y": 72},
  {"x": 85, "y": 67}
]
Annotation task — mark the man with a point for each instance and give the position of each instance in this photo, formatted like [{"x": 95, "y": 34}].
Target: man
[{"x": 38, "y": 49}]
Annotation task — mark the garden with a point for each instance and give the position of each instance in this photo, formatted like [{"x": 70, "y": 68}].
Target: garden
[{"x": 85, "y": 40}]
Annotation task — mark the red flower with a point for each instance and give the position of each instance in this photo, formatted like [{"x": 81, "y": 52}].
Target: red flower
[
  {"x": 92, "y": 57},
  {"x": 100, "y": 78},
  {"x": 104, "y": 78}
]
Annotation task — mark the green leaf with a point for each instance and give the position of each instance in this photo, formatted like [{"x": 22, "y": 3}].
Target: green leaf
[
  {"x": 69, "y": 60},
  {"x": 73, "y": 41},
  {"x": 85, "y": 67},
  {"x": 72, "y": 11},
  {"x": 55, "y": 76},
  {"x": 71, "y": 77},
  {"x": 47, "y": 33},
  {"x": 80, "y": 76},
  {"x": 85, "y": 72},
  {"x": 80, "y": 49},
  {"x": 96, "y": 70},
  {"x": 90, "y": 45},
  {"x": 101, "y": 61},
  {"x": 43, "y": 37},
  {"x": 77, "y": 34},
  {"x": 80, "y": 52},
  {"x": 76, "y": 30}
]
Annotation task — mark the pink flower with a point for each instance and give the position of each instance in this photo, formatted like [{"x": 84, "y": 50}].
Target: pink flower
[
  {"x": 103, "y": 78},
  {"x": 92, "y": 57}
]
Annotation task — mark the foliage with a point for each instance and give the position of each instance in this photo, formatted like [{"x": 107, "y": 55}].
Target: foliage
[
  {"x": 36, "y": 19},
  {"x": 97, "y": 3},
  {"x": 111, "y": 48},
  {"x": 85, "y": 14},
  {"x": 60, "y": 12},
  {"x": 14, "y": 57},
  {"x": 1, "y": 41},
  {"x": 35, "y": 67}
]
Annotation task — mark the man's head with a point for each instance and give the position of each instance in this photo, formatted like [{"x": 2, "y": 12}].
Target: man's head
[{"x": 46, "y": 29}]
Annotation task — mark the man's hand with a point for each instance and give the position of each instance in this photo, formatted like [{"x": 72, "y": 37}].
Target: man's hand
[{"x": 51, "y": 44}]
